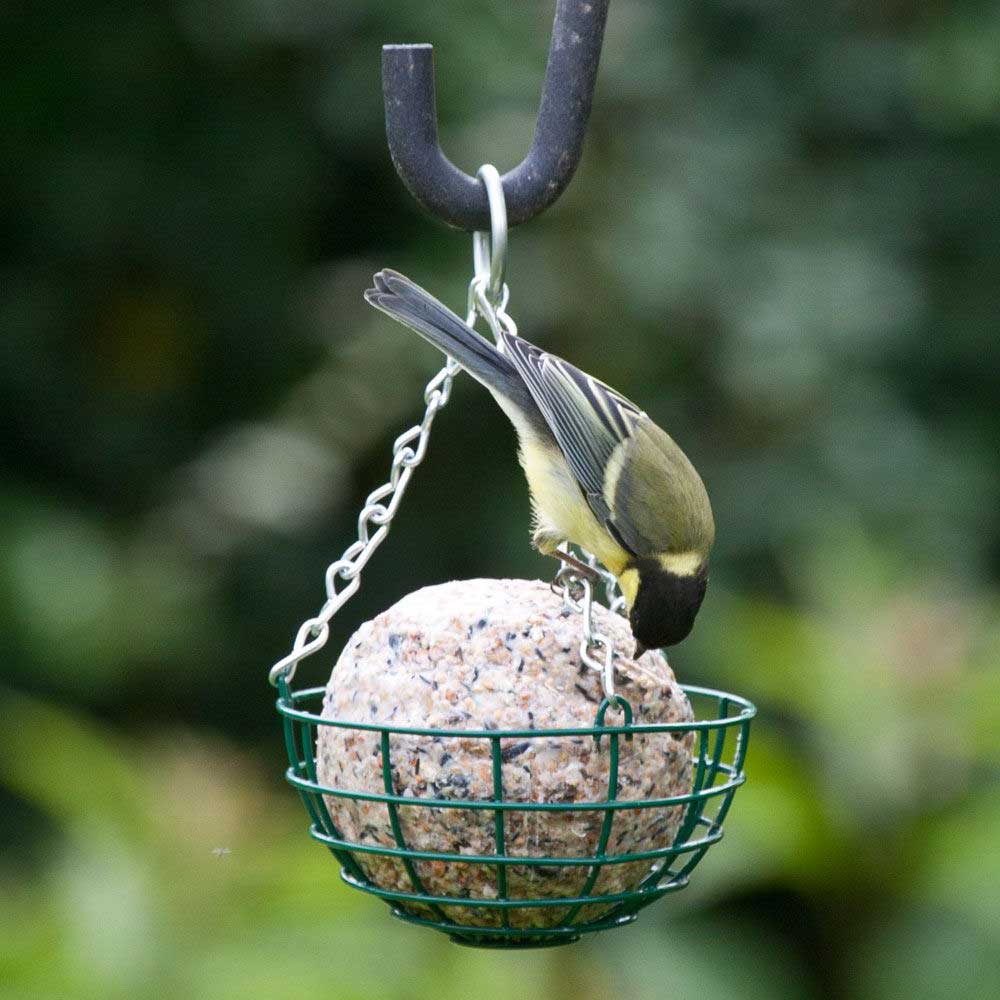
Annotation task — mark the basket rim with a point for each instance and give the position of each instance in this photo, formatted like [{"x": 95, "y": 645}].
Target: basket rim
[
  {"x": 736, "y": 778},
  {"x": 558, "y": 934},
  {"x": 288, "y": 700},
  {"x": 667, "y": 854},
  {"x": 645, "y": 894}
]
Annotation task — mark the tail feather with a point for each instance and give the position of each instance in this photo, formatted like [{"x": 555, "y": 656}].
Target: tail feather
[{"x": 398, "y": 297}]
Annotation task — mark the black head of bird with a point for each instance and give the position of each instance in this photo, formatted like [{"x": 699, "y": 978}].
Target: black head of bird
[{"x": 665, "y": 605}]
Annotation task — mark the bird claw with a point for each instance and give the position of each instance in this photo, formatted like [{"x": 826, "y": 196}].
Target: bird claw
[{"x": 580, "y": 569}]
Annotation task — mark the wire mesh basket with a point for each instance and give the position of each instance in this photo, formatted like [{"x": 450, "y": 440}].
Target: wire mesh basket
[{"x": 720, "y": 732}]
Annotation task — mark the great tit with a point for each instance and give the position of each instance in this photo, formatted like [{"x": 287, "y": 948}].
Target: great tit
[{"x": 601, "y": 473}]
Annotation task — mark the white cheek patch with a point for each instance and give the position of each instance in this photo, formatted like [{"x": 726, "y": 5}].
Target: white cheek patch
[
  {"x": 682, "y": 563},
  {"x": 613, "y": 473}
]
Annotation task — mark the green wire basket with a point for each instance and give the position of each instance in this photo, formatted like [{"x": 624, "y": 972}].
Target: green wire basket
[{"x": 722, "y": 728}]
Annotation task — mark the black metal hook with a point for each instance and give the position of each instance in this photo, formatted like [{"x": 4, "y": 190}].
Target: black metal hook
[{"x": 536, "y": 182}]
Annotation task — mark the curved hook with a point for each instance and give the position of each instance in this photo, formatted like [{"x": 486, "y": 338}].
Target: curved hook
[{"x": 536, "y": 182}]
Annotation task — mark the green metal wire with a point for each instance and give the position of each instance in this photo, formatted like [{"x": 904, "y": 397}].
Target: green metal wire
[
  {"x": 609, "y": 814},
  {"x": 519, "y": 859},
  {"x": 715, "y": 778},
  {"x": 397, "y": 830},
  {"x": 498, "y": 827}
]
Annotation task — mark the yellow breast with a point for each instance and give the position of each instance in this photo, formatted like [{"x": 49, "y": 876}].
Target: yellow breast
[{"x": 561, "y": 509}]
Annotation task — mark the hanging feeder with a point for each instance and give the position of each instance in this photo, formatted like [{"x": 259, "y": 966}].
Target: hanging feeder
[
  {"x": 453, "y": 850},
  {"x": 484, "y": 758}
]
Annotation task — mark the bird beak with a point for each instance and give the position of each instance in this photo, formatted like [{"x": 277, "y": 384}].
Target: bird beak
[{"x": 639, "y": 650}]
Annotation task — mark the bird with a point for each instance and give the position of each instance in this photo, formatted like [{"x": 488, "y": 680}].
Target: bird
[{"x": 601, "y": 473}]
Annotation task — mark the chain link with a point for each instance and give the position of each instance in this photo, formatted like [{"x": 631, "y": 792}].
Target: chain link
[
  {"x": 493, "y": 311},
  {"x": 578, "y": 595}
]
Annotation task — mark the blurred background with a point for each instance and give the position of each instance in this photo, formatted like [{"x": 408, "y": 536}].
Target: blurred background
[{"x": 783, "y": 241}]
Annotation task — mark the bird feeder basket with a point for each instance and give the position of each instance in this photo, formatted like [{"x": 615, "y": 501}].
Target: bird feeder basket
[{"x": 721, "y": 730}]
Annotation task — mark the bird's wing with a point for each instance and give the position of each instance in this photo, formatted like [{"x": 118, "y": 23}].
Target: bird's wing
[
  {"x": 653, "y": 476},
  {"x": 588, "y": 418}
]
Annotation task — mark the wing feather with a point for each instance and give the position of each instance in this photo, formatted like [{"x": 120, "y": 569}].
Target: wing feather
[{"x": 588, "y": 418}]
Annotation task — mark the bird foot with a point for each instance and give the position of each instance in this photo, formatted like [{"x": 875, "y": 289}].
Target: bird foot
[{"x": 580, "y": 568}]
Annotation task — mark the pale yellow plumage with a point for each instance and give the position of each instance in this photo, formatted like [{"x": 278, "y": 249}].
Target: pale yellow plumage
[{"x": 561, "y": 512}]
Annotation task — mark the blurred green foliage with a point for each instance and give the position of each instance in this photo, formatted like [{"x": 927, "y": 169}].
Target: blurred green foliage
[{"x": 783, "y": 241}]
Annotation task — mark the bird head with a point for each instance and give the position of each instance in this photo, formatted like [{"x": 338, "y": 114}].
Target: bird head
[{"x": 663, "y": 597}]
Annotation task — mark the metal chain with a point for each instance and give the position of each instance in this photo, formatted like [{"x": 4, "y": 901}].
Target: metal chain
[
  {"x": 408, "y": 451},
  {"x": 578, "y": 595},
  {"x": 488, "y": 295}
]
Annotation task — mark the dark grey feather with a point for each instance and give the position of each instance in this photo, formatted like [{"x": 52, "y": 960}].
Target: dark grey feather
[
  {"x": 398, "y": 297},
  {"x": 588, "y": 418}
]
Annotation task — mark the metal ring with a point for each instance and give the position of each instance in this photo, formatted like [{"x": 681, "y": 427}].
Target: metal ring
[
  {"x": 605, "y": 669},
  {"x": 489, "y": 251}
]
